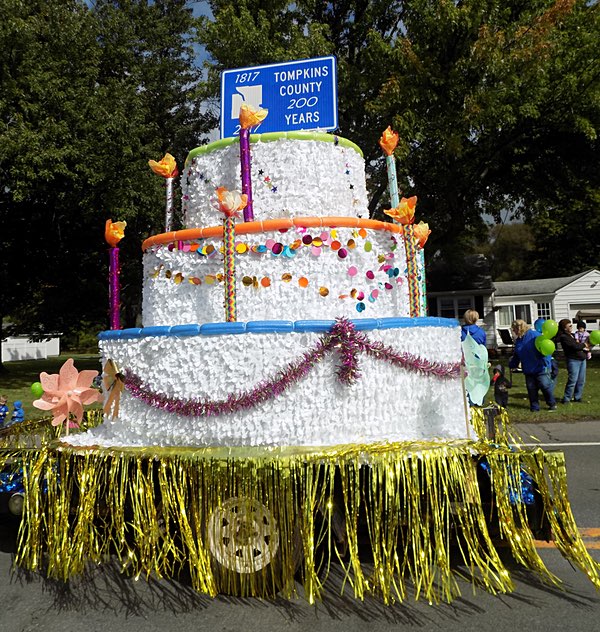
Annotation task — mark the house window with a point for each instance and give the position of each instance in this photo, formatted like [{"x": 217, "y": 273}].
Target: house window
[
  {"x": 454, "y": 307},
  {"x": 508, "y": 313},
  {"x": 523, "y": 312},
  {"x": 592, "y": 310},
  {"x": 505, "y": 316},
  {"x": 544, "y": 311}
]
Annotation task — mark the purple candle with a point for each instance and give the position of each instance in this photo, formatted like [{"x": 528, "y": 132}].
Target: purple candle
[
  {"x": 114, "y": 289},
  {"x": 246, "y": 178}
]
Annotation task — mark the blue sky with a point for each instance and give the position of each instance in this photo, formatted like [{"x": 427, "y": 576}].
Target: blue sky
[{"x": 200, "y": 7}]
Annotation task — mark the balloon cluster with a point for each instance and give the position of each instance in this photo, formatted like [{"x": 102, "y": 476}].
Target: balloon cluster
[{"x": 544, "y": 343}]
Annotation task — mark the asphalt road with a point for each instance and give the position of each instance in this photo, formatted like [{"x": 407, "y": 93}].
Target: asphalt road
[{"x": 108, "y": 602}]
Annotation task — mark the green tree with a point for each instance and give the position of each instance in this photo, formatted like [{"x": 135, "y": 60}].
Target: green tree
[
  {"x": 511, "y": 251},
  {"x": 567, "y": 235},
  {"x": 48, "y": 72},
  {"x": 496, "y": 101},
  {"x": 88, "y": 96},
  {"x": 358, "y": 32},
  {"x": 497, "y": 104}
]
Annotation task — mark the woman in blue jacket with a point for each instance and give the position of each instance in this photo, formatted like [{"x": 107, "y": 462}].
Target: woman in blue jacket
[{"x": 535, "y": 366}]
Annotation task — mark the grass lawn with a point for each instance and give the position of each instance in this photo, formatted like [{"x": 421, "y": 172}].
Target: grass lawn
[
  {"x": 16, "y": 380},
  {"x": 518, "y": 402}
]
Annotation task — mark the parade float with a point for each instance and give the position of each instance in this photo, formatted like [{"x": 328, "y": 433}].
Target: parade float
[{"x": 287, "y": 404}]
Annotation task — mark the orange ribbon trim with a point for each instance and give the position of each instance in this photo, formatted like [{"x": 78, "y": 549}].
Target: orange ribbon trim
[{"x": 269, "y": 225}]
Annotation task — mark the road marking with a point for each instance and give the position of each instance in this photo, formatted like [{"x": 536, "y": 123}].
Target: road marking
[
  {"x": 557, "y": 444},
  {"x": 590, "y": 537}
]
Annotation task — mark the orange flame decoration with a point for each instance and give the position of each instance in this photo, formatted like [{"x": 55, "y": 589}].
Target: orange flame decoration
[
  {"x": 230, "y": 203},
  {"x": 167, "y": 167},
  {"x": 251, "y": 116},
  {"x": 114, "y": 232},
  {"x": 421, "y": 232},
  {"x": 388, "y": 141},
  {"x": 404, "y": 213}
]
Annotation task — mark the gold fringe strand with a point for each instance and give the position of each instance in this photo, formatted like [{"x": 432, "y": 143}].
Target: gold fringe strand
[{"x": 401, "y": 519}]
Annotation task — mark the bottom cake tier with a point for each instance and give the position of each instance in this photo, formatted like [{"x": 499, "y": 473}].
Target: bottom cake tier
[{"x": 281, "y": 383}]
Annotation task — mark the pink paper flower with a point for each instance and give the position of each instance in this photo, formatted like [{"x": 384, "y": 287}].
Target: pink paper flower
[{"x": 67, "y": 392}]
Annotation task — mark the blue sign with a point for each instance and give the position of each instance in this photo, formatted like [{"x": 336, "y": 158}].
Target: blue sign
[{"x": 298, "y": 94}]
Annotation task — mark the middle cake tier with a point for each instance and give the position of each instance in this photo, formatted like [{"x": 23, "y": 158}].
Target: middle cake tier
[{"x": 308, "y": 267}]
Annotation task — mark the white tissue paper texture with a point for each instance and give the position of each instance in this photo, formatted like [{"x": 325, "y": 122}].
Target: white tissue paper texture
[
  {"x": 184, "y": 287},
  {"x": 386, "y": 403},
  {"x": 290, "y": 178}
]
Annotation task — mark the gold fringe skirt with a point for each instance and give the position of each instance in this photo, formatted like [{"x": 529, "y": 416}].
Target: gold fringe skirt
[{"x": 398, "y": 519}]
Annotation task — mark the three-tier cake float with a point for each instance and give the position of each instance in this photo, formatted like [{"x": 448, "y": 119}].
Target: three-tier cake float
[{"x": 287, "y": 404}]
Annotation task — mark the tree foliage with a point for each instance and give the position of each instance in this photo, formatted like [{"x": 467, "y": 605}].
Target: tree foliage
[
  {"x": 88, "y": 96},
  {"x": 510, "y": 250},
  {"x": 496, "y": 101}
]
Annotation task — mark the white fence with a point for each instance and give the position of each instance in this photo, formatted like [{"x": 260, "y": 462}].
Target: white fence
[{"x": 22, "y": 348}]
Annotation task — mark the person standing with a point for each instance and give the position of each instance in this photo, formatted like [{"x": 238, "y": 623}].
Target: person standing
[
  {"x": 501, "y": 386},
  {"x": 576, "y": 357},
  {"x": 536, "y": 367},
  {"x": 3, "y": 410},
  {"x": 470, "y": 318},
  {"x": 18, "y": 414}
]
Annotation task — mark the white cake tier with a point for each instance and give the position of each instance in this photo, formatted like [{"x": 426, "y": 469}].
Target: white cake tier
[
  {"x": 293, "y": 174},
  {"x": 204, "y": 386},
  {"x": 310, "y": 272}
]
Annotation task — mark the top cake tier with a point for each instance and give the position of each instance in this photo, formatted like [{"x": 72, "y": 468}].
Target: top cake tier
[{"x": 293, "y": 174}]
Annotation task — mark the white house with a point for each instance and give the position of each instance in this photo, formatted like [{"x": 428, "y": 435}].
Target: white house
[
  {"x": 562, "y": 297},
  {"x": 557, "y": 298}
]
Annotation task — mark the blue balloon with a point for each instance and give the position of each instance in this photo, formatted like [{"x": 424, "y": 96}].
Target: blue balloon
[{"x": 538, "y": 324}]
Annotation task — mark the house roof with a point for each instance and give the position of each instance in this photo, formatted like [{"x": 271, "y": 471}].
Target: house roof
[{"x": 535, "y": 286}]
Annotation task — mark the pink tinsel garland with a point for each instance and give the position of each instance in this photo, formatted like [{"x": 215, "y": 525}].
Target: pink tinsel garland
[{"x": 343, "y": 338}]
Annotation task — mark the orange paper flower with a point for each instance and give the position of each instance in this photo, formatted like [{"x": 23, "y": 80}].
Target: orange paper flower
[
  {"x": 421, "y": 232},
  {"x": 230, "y": 203},
  {"x": 114, "y": 232},
  {"x": 404, "y": 213},
  {"x": 388, "y": 141},
  {"x": 251, "y": 116},
  {"x": 167, "y": 167},
  {"x": 67, "y": 392}
]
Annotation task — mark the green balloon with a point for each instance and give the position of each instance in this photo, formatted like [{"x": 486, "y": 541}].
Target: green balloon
[
  {"x": 549, "y": 328},
  {"x": 544, "y": 345},
  {"x": 36, "y": 389},
  {"x": 538, "y": 342},
  {"x": 595, "y": 337}
]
